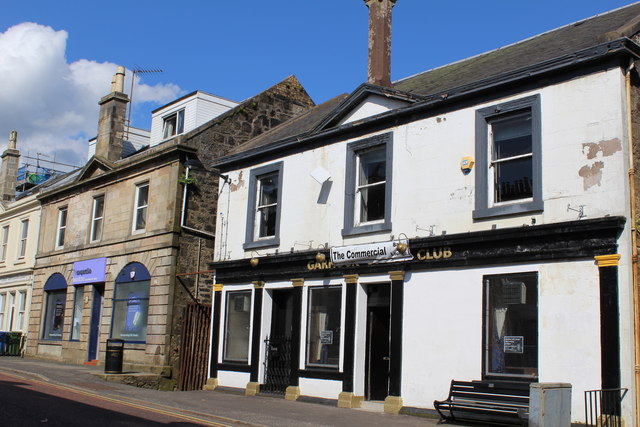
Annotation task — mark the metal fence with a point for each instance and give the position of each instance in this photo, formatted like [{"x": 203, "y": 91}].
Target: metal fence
[
  {"x": 603, "y": 407},
  {"x": 277, "y": 365}
]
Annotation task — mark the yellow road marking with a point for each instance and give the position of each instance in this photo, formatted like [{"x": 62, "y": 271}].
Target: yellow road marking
[{"x": 132, "y": 405}]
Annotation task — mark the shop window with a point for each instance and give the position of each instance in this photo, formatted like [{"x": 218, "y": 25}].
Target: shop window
[
  {"x": 97, "y": 218},
  {"x": 5, "y": 240},
  {"x": 22, "y": 306},
  {"x": 173, "y": 125},
  {"x": 265, "y": 200},
  {"x": 142, "y": 202},
  {"x": 3, "y": 298},
  {"x": 62, "y": 227},
  {"x": 237, "y": 327},
  {"x": 509, "y": 169},
  {"x": 511, "y": 326},
  {"x": 24, "y": 232},
  {"x": 368, "y": 186},
  {"x": 77, "y": 312},
  {"x": 131, "y": 304},
  {"x": 323, "y": 327},
  {"x": 55, "y": 290}
]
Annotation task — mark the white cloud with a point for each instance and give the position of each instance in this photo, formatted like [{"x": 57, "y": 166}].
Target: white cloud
[{"x": 53, "y": 104}]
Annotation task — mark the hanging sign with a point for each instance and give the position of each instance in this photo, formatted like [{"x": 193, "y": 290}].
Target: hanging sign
[
  {"x": 369, "y": 253},
  {"x": 89, "y": 271}
]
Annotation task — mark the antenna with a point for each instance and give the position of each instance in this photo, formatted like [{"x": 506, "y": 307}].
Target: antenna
[{"x": 133, "y": 79}]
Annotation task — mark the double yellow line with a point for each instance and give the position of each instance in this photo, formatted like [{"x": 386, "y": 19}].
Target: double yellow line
[{"x": 145, "y": 407}]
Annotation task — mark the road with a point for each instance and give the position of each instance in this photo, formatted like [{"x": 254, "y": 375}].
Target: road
[{"x": 32, "y": 402}]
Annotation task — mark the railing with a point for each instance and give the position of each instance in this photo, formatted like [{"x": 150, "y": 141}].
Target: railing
[
  {"x": 277, "y": 365},
  {"x": 603, "y": 407}
]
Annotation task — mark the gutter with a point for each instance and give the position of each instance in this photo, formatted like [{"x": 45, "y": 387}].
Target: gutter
[{"x": 619, "y": 46}]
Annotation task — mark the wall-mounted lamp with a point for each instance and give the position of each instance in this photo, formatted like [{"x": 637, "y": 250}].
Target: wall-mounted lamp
[
  {"x": 402, "y": 246},
  {"x": 320, "y": 257},
  {"x": 254, "y": 261}
]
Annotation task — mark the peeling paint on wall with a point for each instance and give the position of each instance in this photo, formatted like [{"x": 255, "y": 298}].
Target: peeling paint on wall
[
  {"x": 591, "y": 175},
  {"x": 591, "y": 172},
  {"x": 238, "y": 184}
]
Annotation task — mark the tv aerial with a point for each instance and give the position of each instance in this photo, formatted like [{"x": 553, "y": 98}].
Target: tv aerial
[{"x": 133, "y": 79}]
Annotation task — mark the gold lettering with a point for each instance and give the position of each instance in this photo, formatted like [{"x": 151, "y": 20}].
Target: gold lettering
[
  {"x": 311, "y": 266},
  {"x": 437, "y": 255},
  {"x": 427, "y": 255},
  {"x": 447, "y": 252}
]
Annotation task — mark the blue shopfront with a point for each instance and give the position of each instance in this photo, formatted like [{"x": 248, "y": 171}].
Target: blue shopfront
[{"x": 89, "y": 276}]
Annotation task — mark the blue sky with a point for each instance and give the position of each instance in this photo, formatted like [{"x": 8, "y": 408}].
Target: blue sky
[{"x": 52, "y": 74}]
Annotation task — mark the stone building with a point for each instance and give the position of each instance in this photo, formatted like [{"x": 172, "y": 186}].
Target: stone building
[{"x": 116, "y": 234}]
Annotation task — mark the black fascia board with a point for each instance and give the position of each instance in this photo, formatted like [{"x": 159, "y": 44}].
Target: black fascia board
[{"x": 622, "y": 46}]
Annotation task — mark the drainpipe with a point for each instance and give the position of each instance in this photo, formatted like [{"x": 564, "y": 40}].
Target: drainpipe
[{"x": 634, "y": 239}]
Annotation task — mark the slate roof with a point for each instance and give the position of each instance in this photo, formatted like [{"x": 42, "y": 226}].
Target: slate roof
[{"x": 622, "y": 22}]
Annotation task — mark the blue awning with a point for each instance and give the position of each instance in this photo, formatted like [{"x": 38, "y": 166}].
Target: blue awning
[{"x": 55, "y": 282}]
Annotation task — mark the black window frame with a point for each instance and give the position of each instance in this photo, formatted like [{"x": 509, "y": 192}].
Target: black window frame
[
  {"x": 484, "y": 208},
  {"x": 353, "y": 227},
  {"x": 227, "y": 300},
  {"x": 251, "y": 239}
]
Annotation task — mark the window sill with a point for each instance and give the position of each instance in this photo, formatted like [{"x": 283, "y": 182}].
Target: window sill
[
  {"x": 20, "y": 262},
  {"x": 512, "y": 209},
  {"x": 366, "y": 229},
  {"x": 275, "y": 241}
]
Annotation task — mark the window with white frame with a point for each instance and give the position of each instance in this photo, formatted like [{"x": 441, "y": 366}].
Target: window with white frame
[
  {"x": 62, "y": 227},
  {"x": 368, "y": 185},
  {"x": 264, "y": 210},
  {"x": 140, "y": 211},
  {"x": 323, "y": 326},
  {"x": 237, "y": 327},
  {"x": 511, "y": 325},
  {"x": 173, "y": 124},
  {"x": 22, "y": 248},
  {"x": 508, "y": 168},
  {"x": 5, "y": 241},
  {"x": 97, "y": 218},
  {"x": 22, "y": 306},
  {"x": 3, "y": 297}
]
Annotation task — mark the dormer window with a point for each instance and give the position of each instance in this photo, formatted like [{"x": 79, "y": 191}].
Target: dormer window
[{"x": 173, "y": 125}]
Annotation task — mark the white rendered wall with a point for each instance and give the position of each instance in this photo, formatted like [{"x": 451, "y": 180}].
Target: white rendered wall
[
  {"x": 372, "y": 106},
  {"x": 428, "y": 187}
]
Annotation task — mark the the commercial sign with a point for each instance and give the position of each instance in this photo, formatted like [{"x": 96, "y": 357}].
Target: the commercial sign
[
  {"x": 369, "y": 253},
  {"x": 89, "y": 271}
]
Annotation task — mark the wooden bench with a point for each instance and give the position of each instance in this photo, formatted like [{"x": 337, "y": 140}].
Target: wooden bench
[{"x": 501, "y": 402}]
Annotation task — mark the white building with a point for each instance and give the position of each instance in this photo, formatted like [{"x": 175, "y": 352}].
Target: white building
[{"x": 506, "y": 175}]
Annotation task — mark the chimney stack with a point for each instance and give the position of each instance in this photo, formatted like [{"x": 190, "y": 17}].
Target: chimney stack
[
  {"x": 111, "y": 124},
  {"x": 380, "y": 41},
  {"x": 9, "y": 169}
]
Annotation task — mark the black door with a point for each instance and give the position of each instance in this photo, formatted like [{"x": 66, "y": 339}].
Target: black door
[
  {"x": 278, "y": 344},
  {"x": 377, "y": 358}
]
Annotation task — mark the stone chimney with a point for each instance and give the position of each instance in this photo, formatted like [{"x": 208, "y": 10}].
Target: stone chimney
[
  {"x": 380, "y": 41},
  {"x": 111, "y": 124},
  {"x": 9, "y": 169}
]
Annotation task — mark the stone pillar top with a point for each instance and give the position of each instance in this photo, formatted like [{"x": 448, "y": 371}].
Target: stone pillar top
[{"x": 13, "y": 139}]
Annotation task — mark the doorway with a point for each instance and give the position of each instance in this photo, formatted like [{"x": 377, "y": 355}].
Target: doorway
[
  {"x": 278, "y": 343},
  {"x": 377, "y": 357},
  {"x": 96, "y": 315}
]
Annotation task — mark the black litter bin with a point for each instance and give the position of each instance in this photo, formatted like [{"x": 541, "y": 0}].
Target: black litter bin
[{"x": 113, "y": 359}]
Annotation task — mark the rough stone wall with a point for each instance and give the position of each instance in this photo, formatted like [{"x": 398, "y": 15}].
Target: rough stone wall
[{"x": 254, "y": 116}]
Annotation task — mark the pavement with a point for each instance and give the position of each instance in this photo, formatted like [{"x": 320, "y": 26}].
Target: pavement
[{"x": 222, "y": 406}]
